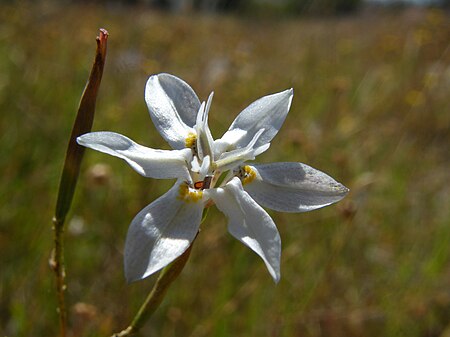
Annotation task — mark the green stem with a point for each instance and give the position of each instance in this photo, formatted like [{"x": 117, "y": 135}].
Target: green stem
[
  {"x": 57, "y": 264},
  {"x": 154, "y": 299}
]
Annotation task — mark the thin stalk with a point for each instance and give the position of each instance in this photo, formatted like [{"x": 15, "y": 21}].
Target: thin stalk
[
  {"x": 74, "y": 155},
  {"x": 57, "y": 264}
]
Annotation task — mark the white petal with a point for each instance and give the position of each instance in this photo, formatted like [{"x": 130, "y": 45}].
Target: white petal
[
  {"x": 268, "y": 113},
  {"x": 159, "y": 164},
  {"x": 293, "y": 187},
  {"x": 160, "y": 233},
  {"x": 249, "y": 223},
  {"x": 173, "y": 107}
]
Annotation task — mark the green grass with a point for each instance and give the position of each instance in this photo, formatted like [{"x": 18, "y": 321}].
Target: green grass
[{"x": 370, "y": 108}]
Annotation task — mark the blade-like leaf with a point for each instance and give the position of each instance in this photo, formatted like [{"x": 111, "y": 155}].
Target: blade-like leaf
[
  {"x": 74, "y": 155},
  {"x": 83, "y": 124}
]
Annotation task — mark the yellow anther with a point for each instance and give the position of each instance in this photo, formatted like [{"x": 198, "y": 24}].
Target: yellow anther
[
  {"x": 249, "y": 175},
  {"x": 191, "y": 140},
  {"x": 188, "y": 194}
]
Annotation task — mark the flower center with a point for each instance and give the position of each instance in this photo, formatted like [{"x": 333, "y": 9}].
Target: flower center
[{"x": 213, "y": 166}]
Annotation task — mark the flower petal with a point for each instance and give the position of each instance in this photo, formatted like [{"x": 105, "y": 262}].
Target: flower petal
[
  {"x": 293, "y": 187},
  {"x": 268, "y": 113},
  {"x": 159, "y": 164},
  {"x": 249, "y": 223},
  {"x": 173, "y": 107},
  {"x": 160, "y": 233}
]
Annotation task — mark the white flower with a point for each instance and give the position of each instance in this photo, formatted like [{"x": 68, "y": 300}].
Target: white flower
[{"x": 209, "y": 171}]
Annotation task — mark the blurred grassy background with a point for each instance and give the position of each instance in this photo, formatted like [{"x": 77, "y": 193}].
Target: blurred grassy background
[{"x": 371, "y": 108}]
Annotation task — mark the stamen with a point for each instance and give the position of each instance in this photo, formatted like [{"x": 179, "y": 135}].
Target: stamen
[
  {"x": 191, "y": 141},
  {"x": 198, "y": 185},
  {"x": 188, "y": 194},
  {"x": 203, "y": 184},
  {"x": 246, "y": 174}
]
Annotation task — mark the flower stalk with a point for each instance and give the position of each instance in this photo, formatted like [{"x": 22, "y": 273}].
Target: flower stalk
[{"x": 74, "y": 155}]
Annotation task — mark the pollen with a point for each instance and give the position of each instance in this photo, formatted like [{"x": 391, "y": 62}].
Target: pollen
[
  {"x": 248, "y": 175},
  {"x": 188, "y": 194},
  {"x": 191, "y": 140}
]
